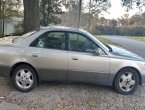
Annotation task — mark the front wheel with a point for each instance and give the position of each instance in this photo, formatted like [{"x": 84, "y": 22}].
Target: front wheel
[
  {"x": 126, "y": 81},
  {"x": 24, "y": 78}
]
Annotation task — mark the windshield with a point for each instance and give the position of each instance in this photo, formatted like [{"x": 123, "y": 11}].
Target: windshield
[
  {"x": 104, "y": 46},
  {"x": 19, "y": 38}
]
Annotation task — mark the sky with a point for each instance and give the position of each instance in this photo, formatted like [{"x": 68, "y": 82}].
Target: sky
[{"x": 116, "y": 10}]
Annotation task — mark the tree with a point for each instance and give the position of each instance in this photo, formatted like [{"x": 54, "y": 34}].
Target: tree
[
  {"x": 102, "y": 21},
  {"x": 72, "y": 10},
  {"x": 113, "y": 22},
  {"x": 95, "y": 7},
  {"x": 130, "y": 4},
  {"x": 0, "y": 9},
  {"x": 1, "y": 18},
  {"x": 141, "y": 20},
  {"x": 71, "y": 5},
  {"x": 98, "y": 6},
  {"x": 11, "y": 8},
  {"x": 124, "y": 20},
  {"x": 49, "y": 10},
  {"x": 134, "y": 19},
  {"x": 31, "y": 15}
]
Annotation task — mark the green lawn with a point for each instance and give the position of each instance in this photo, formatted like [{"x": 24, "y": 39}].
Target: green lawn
[
  {"x": 138, "y": 38},
  {"x": 106, "y": 41}
]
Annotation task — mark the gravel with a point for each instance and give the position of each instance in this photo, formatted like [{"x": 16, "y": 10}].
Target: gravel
[{"x": 69, "y": 96}]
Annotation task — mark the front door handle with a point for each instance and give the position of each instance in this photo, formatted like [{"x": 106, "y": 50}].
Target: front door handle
[
  {"x": 34, "y": 55},
  {"x": 74, "y": 58}
]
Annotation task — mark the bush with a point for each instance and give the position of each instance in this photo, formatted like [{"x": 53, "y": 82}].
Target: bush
[{"x": 124, "y": 31}]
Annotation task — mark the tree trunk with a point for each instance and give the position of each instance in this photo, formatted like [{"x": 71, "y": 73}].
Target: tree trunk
[
  {"x": 1, "y": 18},
  {"x": 90, "y": 16},
  {"x": 31, "y": 15},
  {"x": 80, "y": 9},
  {"x": 0, "y": 9}
]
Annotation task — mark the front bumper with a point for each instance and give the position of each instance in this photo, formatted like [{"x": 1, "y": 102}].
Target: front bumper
[{"x": 143, "y": 80}]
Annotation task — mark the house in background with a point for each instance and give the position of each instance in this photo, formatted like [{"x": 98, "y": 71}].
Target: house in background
[{"x": 11, "y": 26}]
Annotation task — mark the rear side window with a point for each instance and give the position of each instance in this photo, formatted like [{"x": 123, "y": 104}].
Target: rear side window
[{"x": 51, "y": 40}]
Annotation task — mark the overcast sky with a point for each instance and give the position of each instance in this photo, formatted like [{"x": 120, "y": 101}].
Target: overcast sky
[{"x": 116, "y": 10}]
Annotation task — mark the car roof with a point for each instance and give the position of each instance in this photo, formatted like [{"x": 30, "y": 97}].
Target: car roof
[{"x": 63, "y": 28}]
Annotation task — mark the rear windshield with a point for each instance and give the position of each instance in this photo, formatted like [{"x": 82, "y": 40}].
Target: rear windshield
[{"x": 19, "y": 38}]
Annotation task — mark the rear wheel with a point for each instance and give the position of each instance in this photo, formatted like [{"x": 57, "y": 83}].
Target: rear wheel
[
  {"x": 126, "y": 81},
  {"x": 24, "y": 78}
]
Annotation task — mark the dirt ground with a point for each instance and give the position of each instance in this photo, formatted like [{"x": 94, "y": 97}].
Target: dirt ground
[{"x": 55, "y": 96}]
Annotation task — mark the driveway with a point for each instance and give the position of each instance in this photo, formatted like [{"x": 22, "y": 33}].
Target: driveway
[
  {"x": 54, "y": 96},
  {"x": 130, "y": 44}
]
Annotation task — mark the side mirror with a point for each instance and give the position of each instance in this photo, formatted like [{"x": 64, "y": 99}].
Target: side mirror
[
  {"x": 110, "y": 49},
  {"x": 97, "y": 52}
]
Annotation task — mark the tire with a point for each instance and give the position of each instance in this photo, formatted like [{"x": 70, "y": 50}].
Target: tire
[
  {"x": 126, "y": 81},
  {"x": 24, "y": 78}
]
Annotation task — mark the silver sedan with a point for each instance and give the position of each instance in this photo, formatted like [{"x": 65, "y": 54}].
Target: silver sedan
[{"x": 68, "y": 54}]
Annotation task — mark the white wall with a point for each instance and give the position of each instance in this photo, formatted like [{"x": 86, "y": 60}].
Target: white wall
[{"x": 9, "y": 28}]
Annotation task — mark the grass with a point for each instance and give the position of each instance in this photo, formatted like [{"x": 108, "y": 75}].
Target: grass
[
  {"x": 106, "y": 41},
  {"x": 138, "y": 38}
]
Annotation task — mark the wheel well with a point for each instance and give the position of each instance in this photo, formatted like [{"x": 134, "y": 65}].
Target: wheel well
[
  {"x": 22, "y": 63},
  {"x": 140, "y": 78}
]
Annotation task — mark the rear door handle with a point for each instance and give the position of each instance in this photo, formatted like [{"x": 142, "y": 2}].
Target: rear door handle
[{"x": 74, "y": 58}]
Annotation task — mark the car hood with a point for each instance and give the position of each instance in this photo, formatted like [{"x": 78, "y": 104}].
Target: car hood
[{"x": 123, "y": 53}]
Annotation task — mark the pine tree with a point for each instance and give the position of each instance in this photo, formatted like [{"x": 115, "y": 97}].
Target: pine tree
[{"x": 49, "y": 10}]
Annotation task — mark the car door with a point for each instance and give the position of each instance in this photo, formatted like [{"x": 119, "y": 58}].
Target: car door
[
  {"x": 49, "y": 56},
  {"x": 84, "y": 65}
]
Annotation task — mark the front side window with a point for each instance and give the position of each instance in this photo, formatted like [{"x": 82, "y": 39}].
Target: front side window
[
  {"x": 81, "y": 43},
  {"x": 52, "y": 40}
]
